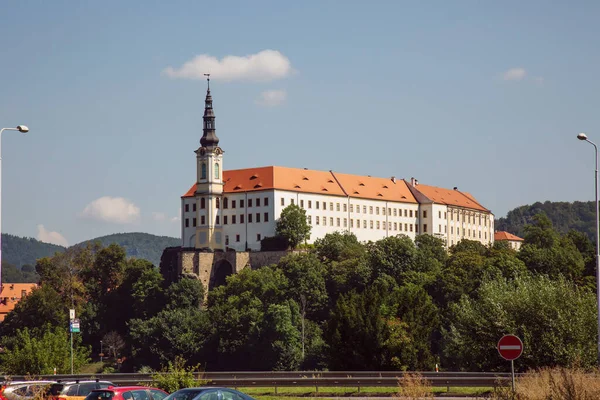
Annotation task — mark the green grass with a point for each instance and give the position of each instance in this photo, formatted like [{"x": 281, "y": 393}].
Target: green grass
[{"x": 290, "y": 393}]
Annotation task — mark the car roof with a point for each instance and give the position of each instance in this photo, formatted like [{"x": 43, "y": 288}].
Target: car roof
[
  {"x": 125, "y": 388},
  {"x": 83, "y": 381},
  {"x": 14, "y": 383}
]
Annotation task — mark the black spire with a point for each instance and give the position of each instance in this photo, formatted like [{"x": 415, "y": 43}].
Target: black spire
[{"x": 209, "y": 137}]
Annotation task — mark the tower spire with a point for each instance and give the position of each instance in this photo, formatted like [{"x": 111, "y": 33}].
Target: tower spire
[{"x": 209, "y": 136}]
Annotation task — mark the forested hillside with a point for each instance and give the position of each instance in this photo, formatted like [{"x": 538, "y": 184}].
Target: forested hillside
[
  {"x": 19, "y": 252},
  {"x": 139, "y": 245},
  {"x": 565, "y": 216}
]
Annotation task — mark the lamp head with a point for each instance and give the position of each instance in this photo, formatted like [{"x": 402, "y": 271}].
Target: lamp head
[
  {"x": 582, "y": 136},
  {"x": 23, "y": 128}
]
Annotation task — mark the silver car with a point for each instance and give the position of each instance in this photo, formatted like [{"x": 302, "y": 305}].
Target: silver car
[{"x": 24, "y": 390}]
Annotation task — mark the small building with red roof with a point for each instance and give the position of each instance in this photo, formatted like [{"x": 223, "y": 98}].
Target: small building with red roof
[
  {"x": 11, "y": 294},
  {"x": 514, "y": 242}
]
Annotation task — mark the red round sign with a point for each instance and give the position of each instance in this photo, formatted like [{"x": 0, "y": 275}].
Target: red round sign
[{"x": 510, "y": 347}]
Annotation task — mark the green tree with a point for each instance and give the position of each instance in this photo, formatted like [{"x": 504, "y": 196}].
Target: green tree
[
  {"x": 394, "y": 256},
  {"x": 339, "y": 246},
  {"x": 29, "y": 353},
  {"x": 293, "y": 226},
  {"x": 555, "y": 319},
  {"x": 187, "y": 293}
]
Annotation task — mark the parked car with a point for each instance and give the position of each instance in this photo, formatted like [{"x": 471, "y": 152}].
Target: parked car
[
  {"x": 75, "y": 390},
  {"x": 23, "y": 390},
  {"x": 208, "y": 393},
  {"x": 127, "y": 393}
]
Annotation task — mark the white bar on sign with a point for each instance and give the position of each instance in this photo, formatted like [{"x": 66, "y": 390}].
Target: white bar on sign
[{"x": 510, "y": 347}]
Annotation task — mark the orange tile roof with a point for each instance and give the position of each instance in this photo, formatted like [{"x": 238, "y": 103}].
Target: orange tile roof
[
  {"x": 10, "y": 295},
  {"x": 369, "y": 187},
  {"x": 450, "y": 197},
  {"x": 313, "y": 181},
  {"x": 503, "y": 235}
]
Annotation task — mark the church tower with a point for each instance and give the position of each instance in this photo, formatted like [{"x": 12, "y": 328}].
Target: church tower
[{"x": 209, "y": 183}]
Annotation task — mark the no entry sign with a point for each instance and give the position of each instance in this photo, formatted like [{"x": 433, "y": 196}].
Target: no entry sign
[{"x": 510, "y": 347}]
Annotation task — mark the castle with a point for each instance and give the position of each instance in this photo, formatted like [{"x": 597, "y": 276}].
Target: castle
[{"x": 226, "y": 214}]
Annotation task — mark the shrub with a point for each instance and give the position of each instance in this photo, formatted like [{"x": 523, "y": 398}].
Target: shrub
[
  {"x": 412, "y": 386},
  {"x": 176, "y": 376},
  {"x": 274, "y": 243}
]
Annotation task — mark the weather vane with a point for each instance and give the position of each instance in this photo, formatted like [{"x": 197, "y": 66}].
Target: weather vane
[{"x": 208, "y": 80}]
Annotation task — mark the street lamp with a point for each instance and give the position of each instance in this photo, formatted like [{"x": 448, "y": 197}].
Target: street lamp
[
  {"x": 583, "y": 136},
  {"x": 22, "y": 129},
  {"x": 101, "y": 354}
]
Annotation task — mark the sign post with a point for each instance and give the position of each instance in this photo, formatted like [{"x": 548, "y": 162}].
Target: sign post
[
  {"x": 510, "y": 348},
  {"x": 73, "y": 327}
]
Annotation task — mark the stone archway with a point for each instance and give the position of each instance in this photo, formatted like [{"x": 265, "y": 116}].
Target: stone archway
[{"x": 222, "y": 269}]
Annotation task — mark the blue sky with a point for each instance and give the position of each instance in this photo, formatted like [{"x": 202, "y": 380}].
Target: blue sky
[{"x": 486, "y": 96}]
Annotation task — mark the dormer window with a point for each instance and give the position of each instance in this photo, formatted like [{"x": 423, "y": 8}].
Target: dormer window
[
  {"x": 361, "y": 184},
  {"x": 254, "y": 177}
]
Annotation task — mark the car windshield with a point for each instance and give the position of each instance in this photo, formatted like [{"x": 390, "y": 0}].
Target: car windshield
[
  {"x": 186, "y": 394},
  {"x": 100, "y": 395}
]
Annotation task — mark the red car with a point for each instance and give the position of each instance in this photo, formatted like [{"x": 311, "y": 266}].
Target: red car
[{"x": 127, "y": 393}]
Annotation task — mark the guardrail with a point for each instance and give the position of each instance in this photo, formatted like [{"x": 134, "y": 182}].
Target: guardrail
[{"x": 316, "y": 379}]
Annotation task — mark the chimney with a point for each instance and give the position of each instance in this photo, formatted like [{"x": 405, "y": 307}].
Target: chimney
[
  {"x": 455, "y": 188},
  {"x": 416, "y": 182},
  {"x": 393, "y": 179},
  {"x": 412, "y": 182}
]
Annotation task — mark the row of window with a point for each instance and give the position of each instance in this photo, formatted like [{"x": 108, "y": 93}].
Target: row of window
[
  {"x": 237, "y": 238},
  {"x": 203, "y": 171},
  {"x": 343, "y": 223},
  {"x": 226, "y": 203},
  {"x": 344, "y": 208},
  {"x": 251, "y": 219}
]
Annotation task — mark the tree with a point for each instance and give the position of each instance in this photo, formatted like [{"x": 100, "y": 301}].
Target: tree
[
  {"x": 187, "y": 293},
  {"x": 39, "y": 351},
  {"x": 393, "y": 256},
  {"x": 555, "y": 319},
  {"x": 114, "y": 344},
  {"x": 339, "y": 246},
  {"x": 293, "y": 226}
]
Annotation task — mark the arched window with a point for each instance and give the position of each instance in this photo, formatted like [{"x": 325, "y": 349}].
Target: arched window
[
  {"x": 203, "y": 176},
  {"x": 225, "y": 202},
  {"x": 218, "y": 202},
  {"x": 216, "y": 170},
  {"x": 203, "y": 203}
]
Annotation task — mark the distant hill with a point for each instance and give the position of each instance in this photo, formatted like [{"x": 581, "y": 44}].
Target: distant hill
[
  {"x": 578, "y": 215},
  {"x": 138, "y": 244},
  {"x": 19, "y": 251}
]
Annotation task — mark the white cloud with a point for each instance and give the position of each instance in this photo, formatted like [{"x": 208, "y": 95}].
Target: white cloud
[
  {"x": 266, "y": 65},
  {"x": 514, "y": 74},
  {"x": 272, "y": 98},
  {"x": 158, "y": 216},
  {"x": 51, "y": 237},
  {"x": 112, "y": 209}
]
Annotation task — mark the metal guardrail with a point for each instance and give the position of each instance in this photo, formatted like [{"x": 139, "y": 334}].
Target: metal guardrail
[{"x": 315, "y": 379}]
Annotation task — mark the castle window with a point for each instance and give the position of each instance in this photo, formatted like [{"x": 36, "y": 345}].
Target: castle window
[
  {"x": 371, "y": 224},
  {"x": 395, "y": 226},
  {"x": 378, "y": 225},
  {"x": 233, "y": 217},
  {"x": 187, "y": 222},
  {"x": 224, "y": 219},
  {"x": 187, "y": 208},
  {"x": 232, "y": 203},
  {"x": 257, "y": 217},
  {"x": 370, "y": 209},
  {"x": 338, "y": 222},
  {"x": 217, "y": 171},
  {"x": 258, "y": 237},
  {"x": 226, "y": 240},
  {"x": 309, "y": 204},
  {"x": 425, "y": 228},
  {"x": 331, "y": 221},
  {"x": 218, "y": 220},
  {"x": 282, "y": 201},
  {"x": 324, "y": 221},
  {"x": 237, "y": 238},
  {"x": 309, "y": 219},
  {"x": 364, "y": 224},
  {"x": 266, "y": 202},
  {"x": 351, "y": 223},
  {"x": 377, "y": 210},
  {"x": 345, "y": 207},
  {"x": 249, "y": 203},
  {"x": 241, "y": 218},
  {"x": 266, "y": 217},
  {"x": 218, "y": 202},
  {"x": 411, "y": 213},
  {"x": 351, "y": 207},
  {"x": 292, "y": 201},
  {"x": 331, "y": 208},
  {"x": 258, "y": 202},
  {"x": 345, "y": 222},
  {"x": 317, "y": 205},
  {"x": 202, "y": 220},
  {"x": 194, "y": 222},
  {"x": 249, "y": 218},
  {"x": 194, "y": 207},
  {"x": 225, "y": 202},
  {"x": 337, "y": 206},
  {"x": 241, "y": 203},
  {"x": 302, "y": 203},
  {"x": 203, "y": 203},
  {"x": 317, "y": 219},
  {"x": 203, "y": 176},
  {"x": 364, "y": 209}
]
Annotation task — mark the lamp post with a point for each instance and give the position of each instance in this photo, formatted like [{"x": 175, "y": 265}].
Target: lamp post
[
  {"x": 583, "y": 136},
  {"x": 101, "y": 354},
  {"x": 22, "y": 129}
]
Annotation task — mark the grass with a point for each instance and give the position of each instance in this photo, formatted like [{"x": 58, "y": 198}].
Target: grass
[
  {"x": 93, "y": 368},
  {"x": 268, "y": 393}
]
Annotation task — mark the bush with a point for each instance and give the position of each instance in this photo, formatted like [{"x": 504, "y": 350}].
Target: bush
[
  {"x": 412, "y": 386},
  {"x": 176, "y": 376},
  {"x": 274, "y": 243}
]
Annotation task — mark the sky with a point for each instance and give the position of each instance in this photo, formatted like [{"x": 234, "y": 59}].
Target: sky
[{"x": 485, "y": 96}]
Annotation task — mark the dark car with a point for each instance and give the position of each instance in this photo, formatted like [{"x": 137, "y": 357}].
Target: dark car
[
  {"x": 127, "y": 393},
  {"x": 75, "y": 390},
  {"x": 208, "y": 393}
]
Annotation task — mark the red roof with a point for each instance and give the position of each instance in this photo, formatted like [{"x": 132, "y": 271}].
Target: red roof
[
  {"x": 11, "y": 294},
  {"x": 503, "y": 235},
  {"x": 449, "y": 197}
]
